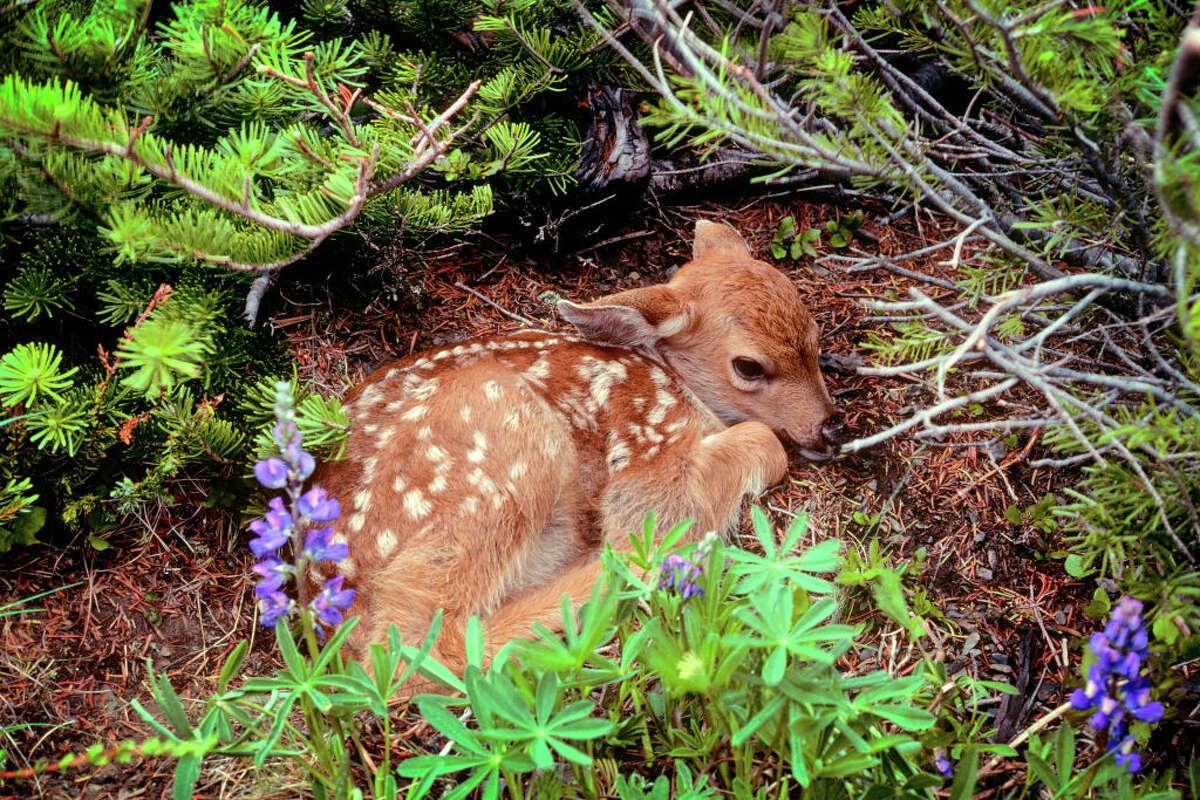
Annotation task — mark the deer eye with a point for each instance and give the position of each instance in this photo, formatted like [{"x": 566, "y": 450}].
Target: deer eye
[{"x": 749, "y": 369}]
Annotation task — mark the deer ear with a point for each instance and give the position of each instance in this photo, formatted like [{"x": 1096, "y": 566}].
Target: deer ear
[
  {"x": 717, "y": 238},
  {"x": 634, "y": 318}
]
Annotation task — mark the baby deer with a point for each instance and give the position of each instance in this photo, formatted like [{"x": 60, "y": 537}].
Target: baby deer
[{"x": 483, "y": 478}]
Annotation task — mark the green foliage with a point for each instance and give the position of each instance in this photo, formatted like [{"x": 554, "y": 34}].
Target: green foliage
[
  {"x": 87, "y": 435},
  {"x": 841, "y": 230},
  {"x": 35, "y": 292},
  {"x": 226, "y": 134},
  {"x": 1141, "y": 538},
  {"x": 29, "y": 373},
  {"x": 740, "y": 691},
  {"x": 789, "y": 242},
  {"x": 913, "y": 340}
]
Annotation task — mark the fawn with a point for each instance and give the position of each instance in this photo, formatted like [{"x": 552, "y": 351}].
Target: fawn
[{"x": 483, "y": 478}]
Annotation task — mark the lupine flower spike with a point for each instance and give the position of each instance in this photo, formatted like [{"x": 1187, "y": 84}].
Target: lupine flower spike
[
  {"x": 680, "y": 574},
  {"x": 1115, "y": 685},
  {"x": 284, "y": 523}
]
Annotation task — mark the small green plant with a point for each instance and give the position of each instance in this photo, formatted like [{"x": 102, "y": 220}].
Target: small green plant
[
  {"x": 841, "y": 230},
  {"x": 791, "y": 243},
  {"x": 1040, "y": 515}
]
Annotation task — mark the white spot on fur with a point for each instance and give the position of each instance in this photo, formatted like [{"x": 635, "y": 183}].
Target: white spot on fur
[
  {"x": 416, "y": 504},
  {"x": 517, "y": 470},
  {"x": 477, "y": 454},
  {"x": 348, "y": 568},
  {"x": 659, "y": 377},
  {"x": 458, "y": 350},
  {"x": 465, "y": 413},
  {"x": 439, "y": 355},
  {"x": 539, "y": 370},
  {"x": 437, "y": 485},
  {"x": 369, "y": 466},
  {"x": 357, "y": 521},
  {"x": 663, "y": 401},
  {"x": 512, "y": 419},
  {"x": 398, "y": 484},
  {"x": 618, "y": 452},
  {"x": 650, "y": 453},
  {"x": 387, "y": 542},
  {"x": 425, "y": 434},
  {"x": 425, "y": 390},
  {"x": 487, "y": 487},
  {"x": 370, "y": 430},
  {"x": 422, "y": 363},
  {"x": 371, "y": 395},
  {"x": 396, "y": 405},
  {"x": 491, "y": 390},
  {"x": 436, "y": 454},
  {"x": 415, "y": 413},
  {"x": 600, "y": 377},
  {"x": 470, "y": 505}
]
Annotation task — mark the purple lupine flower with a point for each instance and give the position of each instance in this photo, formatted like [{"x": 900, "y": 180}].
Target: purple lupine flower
[
  {"x": 319, "y": 546},
  {"x": 274, "y": 529},
  {"x": 1115, "y": 685},
  {"x": 942, "y": 763},
  {"x": 332, "y": 599},
  {"x": 305, "y": 465},
  {"x": 319, "y": 507},
  {"x": 680, "y": 574},
  {"x": 275, "y": 572},
  {"x": 271, "y": 473},
  {"x": 273, "y": 606}
]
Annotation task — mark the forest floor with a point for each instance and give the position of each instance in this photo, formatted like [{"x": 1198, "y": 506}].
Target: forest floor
[{"x": 174, "y": 589}]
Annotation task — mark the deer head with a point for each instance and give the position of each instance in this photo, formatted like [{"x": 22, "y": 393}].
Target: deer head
[{"x": 737, "y": 333}]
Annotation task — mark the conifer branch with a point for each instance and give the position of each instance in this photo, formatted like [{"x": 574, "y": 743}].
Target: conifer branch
[{"x": 428, "y": 147}]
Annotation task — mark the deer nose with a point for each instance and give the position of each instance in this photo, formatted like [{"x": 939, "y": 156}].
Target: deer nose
[{"x": 832, "y": 428}]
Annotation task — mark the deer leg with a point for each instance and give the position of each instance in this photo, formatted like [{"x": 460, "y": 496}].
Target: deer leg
[
  {"x": 718, "y": 471},
  {"x": 705, "y": 480}
]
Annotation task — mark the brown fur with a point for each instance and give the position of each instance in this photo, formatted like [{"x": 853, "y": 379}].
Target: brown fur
[{"x": 483, "y": 478}]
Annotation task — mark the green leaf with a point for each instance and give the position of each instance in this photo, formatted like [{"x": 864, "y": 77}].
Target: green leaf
[
  {"x": 98, "y": 543},
  {"x": 187, "y": 771},
  {"x": 965, "y": 774},
  {"x": 1075, "y": 566},
  {"x": 26, "y": 526},
  {"x": 287, "y": 649},
  {"x": 266, "y": 746},
  {"x": 905, "y": 717},
  {"x": 775, "y": 666},
  {"x": 787, "y": 227},
  {"x": 1039, "y": 767},
  {"x": 772, "y": 707},
  {"x": 232, "y": 664},
  {"x": 1064, "y": 750},
  {"x": 168, "y": 701},
  {"x": 1013, "y": 514},
  {"x": 1165, "y": 630},
  {"x": 1100, "y": 605}
]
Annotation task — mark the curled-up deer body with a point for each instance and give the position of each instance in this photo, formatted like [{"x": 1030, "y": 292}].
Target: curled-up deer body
[{"x": 483, "y": 478}]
